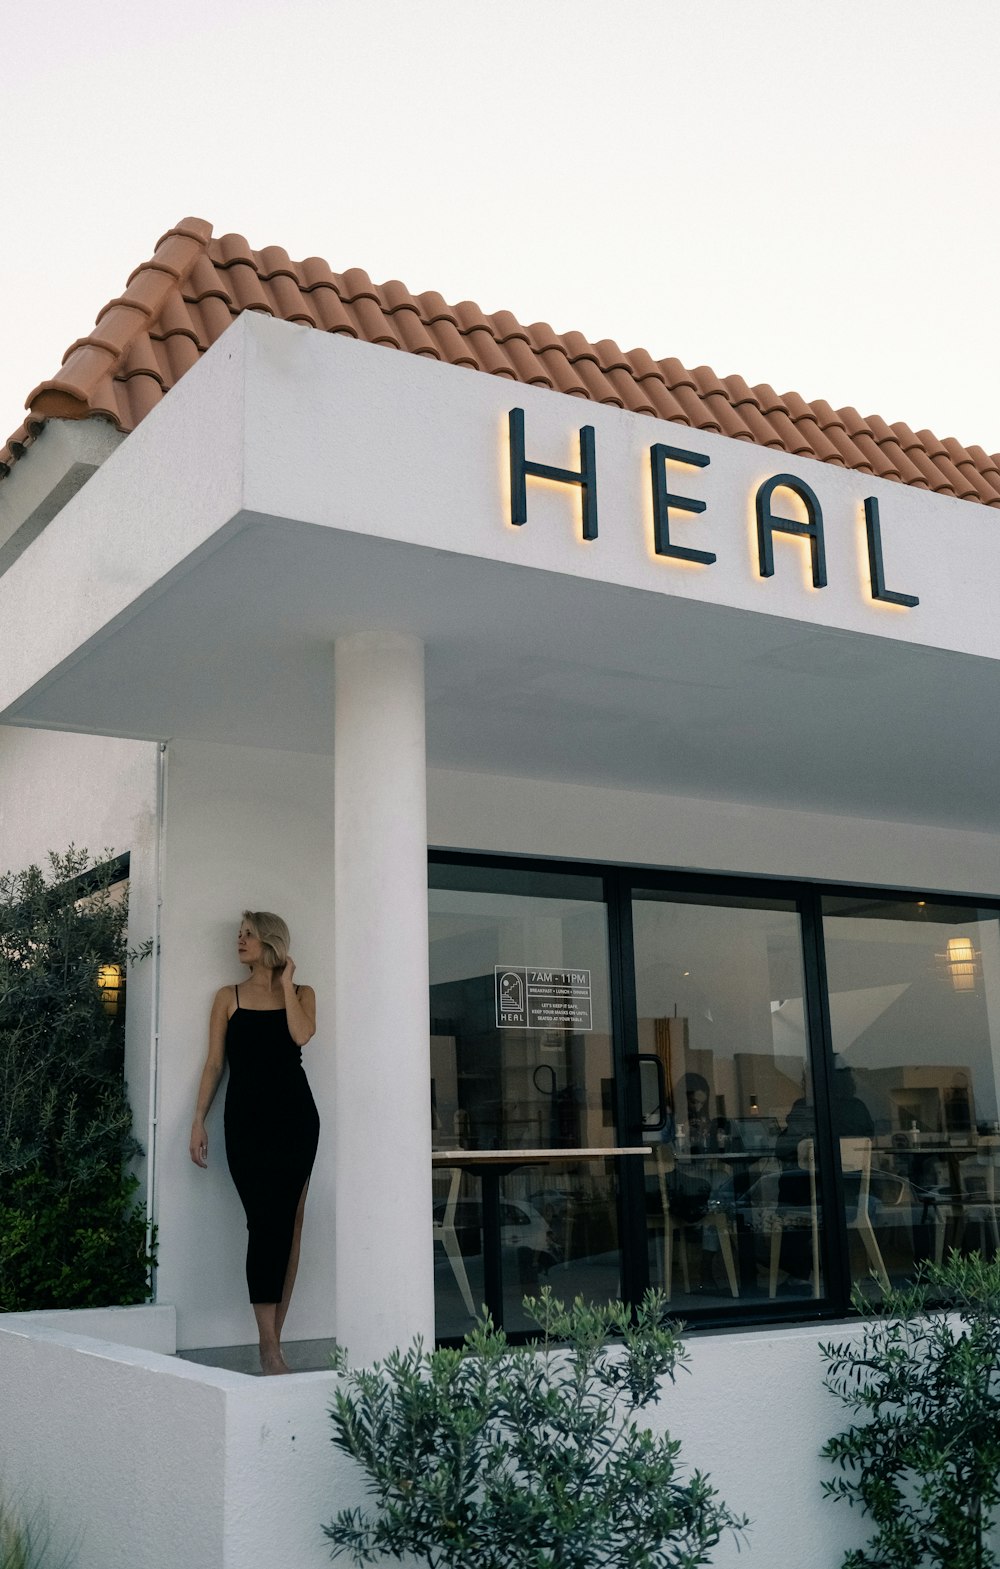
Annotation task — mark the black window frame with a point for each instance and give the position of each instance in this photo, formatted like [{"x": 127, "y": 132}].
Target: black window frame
[{"x": 619, "y": 883}]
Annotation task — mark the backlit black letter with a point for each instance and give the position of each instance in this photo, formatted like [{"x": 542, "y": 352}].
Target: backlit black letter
[
  {"x": 767, "y": 523},
  {"x": 663, "y": 500},
  {"x": 521, "y": 467},
  {"x": 876, "y": 568}
]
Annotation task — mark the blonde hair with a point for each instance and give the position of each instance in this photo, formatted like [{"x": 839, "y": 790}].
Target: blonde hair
[{"x": 272, "y": 933}]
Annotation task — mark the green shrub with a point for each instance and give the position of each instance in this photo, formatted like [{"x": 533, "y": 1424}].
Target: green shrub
[
  {"x": 527, "y": 1457},
  {"x": 71, "y": 1233},
  {"x": 923, "y": 1461}
]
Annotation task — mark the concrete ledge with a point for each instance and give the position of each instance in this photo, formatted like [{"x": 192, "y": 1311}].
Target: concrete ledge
[
  {"x": 58, "y": 464},
  {"x": 150, "y": 1327},
  {"x": 143, "y": 1461}
]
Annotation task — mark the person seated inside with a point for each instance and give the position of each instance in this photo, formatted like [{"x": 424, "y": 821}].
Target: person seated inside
[{"x": 851, "y": 1119}]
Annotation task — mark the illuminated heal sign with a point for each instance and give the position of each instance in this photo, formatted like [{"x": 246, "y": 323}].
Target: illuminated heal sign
[{"x": 665, "y": 502}]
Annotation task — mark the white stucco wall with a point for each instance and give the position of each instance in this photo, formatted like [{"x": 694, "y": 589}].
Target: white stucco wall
[
  {"x": 244, "y": 829},
  {"x": 149, "y": 1463},
  {"x": 141, "y": 1461},
  {"x": 98, "y": 793},
  {"x": 585, "y": 822}
]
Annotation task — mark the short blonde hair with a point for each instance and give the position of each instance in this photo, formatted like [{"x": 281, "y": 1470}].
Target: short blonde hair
[{"x": 272, "y": 933}]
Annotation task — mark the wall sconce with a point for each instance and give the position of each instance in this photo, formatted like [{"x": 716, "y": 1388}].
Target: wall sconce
[
  {"x": 962, "y": 963},
  {"x": 111, "y": 984}
]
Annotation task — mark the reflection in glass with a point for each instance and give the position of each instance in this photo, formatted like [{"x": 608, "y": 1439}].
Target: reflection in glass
[
  {"x": 915, "y": 1013},
  {"x": 560, "y": 1227},
  {"x": 521, "y": 1069},
  {"x": 733, "y": 1207}
]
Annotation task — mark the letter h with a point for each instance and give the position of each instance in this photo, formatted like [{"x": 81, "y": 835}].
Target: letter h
[{"x": 521, "y": 467}]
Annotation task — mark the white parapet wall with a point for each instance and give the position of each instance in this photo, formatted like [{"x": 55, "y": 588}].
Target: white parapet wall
[{"x": 143, "y": 1461}]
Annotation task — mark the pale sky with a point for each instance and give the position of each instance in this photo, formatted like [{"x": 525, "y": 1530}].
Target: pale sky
[{"x": 803, "y": 193}]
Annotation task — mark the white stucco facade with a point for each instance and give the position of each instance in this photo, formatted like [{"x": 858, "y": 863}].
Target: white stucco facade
[{"x": 299, "y": 642}]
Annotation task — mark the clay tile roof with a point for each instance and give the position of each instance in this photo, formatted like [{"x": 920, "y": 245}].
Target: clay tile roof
[{"x": 176, "y": 305}]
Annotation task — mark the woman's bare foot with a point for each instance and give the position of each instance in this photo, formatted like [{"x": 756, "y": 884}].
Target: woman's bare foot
[{"x": 272, "y": 1361}]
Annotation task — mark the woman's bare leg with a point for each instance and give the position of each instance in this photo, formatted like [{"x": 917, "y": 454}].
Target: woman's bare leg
[
  {"x": 281, "y": 1308},
  {"x": 271, "y": 1359}
]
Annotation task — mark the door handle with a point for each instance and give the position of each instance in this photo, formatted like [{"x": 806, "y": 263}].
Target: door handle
[{"x": 652, "y": 1092}]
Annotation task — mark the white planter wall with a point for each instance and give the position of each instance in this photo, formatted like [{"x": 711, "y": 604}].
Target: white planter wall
[{"x": 145, "y": 1462}]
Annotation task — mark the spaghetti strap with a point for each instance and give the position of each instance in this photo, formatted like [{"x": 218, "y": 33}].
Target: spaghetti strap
[{"x": 237, "y": 991}]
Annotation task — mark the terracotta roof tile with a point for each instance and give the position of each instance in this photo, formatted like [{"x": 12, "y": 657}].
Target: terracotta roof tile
[
  {"x": 769, "y": 400},
  {"x": 984, "y": 462},
  {"x": 245, "y": 288},
  {"x": 527, "y": 365},
  {"x": 452, "y": 347},
  {"x": 826, "y": 417},
  {"x": 635, "y": 395},
  {"x": 314, "y": 271},
  {"x": 730, "y": 420},
  {"x": 740, "y": 395},
  {"x": 505, "y": 325},
  {"x": 177, "y": 304},
  {"x": 331, "y": 310},
  {"x": 694, "y": 410},
  {"x": 672, "y": 372},
  {"x": 355, "y": 284},
  {"x": 415, "y": 338},
  {"x": 761, "y": 430},
  {"x": 288, "y": 301},
  {"x": 968, "y": 468},
  {"x": 563, "y": 376}
]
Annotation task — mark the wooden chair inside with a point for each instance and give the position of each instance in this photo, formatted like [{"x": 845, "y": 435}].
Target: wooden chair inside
[
  {"x": 855, "y": 1161},
  {"x": 444, "y": 1231}
]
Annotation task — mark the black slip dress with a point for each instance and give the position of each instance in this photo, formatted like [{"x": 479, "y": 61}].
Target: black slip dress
[{"x": 272, "y": 1129}]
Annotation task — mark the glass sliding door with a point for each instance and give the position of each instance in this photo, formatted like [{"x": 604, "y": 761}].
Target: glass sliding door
[
  {"x": 522, "y": 1091},
  {"x": 914, "y": 997},
  {"x": 733, "y": 1195}
]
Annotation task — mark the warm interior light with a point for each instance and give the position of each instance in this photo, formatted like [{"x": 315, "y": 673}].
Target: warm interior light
[
  {"x": 110, "y": 980},
  {"x": 961, "y": 959}
]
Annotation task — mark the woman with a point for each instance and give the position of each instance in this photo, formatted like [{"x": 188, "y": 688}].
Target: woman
[{"x": 272, "y": 1126}]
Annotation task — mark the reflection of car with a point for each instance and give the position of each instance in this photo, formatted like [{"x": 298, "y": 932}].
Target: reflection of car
[{"x": 521, "y": 1226}]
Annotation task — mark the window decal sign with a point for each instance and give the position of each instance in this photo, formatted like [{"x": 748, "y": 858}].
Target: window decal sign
[{"x": 532, "y": 998}]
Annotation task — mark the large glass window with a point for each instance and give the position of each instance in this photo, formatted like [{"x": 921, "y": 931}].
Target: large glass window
[
  {"x": 521, "y": 1091},
  {"x": 753, "y": 1095},
  {"x": 720, "y": 1007},
  {"x": 914, "y": 999}
]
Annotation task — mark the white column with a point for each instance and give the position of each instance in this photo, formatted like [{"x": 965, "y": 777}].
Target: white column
[{"x": 384, "y": 1280}]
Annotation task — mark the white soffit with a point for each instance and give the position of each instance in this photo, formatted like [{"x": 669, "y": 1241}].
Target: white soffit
[{"x": 296, "y": 486}]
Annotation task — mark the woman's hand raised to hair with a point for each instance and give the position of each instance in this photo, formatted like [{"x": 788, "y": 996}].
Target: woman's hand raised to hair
[{"x": 288, "y": 974}]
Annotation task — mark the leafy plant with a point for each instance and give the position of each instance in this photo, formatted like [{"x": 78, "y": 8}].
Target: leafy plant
[
  {"x": 71, "y": 1233},
  {"x": 923, "y": 1461},
  {"x": 493, "y": 1456},
  {"x": 25, "y": 1541}
]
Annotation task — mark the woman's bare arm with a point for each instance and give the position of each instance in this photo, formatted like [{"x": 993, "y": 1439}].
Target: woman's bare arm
[
  {"x": 300, "y": 1006},
  {"x": 210, "y": 1074}
]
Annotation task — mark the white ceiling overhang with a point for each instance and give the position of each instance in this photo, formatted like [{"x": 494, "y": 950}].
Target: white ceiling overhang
[{"x": 295, "y": 487}]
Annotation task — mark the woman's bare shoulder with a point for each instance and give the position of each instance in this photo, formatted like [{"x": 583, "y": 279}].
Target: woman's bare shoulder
[{"x": 225, "y": 997}]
